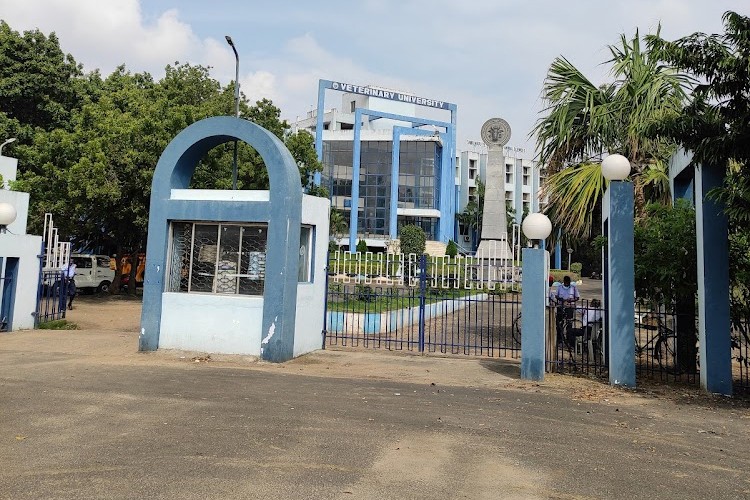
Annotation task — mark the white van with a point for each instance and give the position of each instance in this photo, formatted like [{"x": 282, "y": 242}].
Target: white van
[{"x": 93, "y": 272}]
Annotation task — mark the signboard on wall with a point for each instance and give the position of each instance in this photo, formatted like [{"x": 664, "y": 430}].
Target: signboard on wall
[{"x": 390, "y": 94}]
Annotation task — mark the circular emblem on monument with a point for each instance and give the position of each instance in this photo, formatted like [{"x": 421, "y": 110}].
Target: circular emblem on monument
[{"x": 496, "y": 132}]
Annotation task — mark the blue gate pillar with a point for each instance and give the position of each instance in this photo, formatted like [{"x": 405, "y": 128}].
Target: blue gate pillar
[
  {"x": 619, "y": 286},
  {"x": 533, "y": 308},
  {"x": 713, "y": 283}
]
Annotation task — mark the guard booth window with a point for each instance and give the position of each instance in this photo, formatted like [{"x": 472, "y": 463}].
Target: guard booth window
[
  {"x": 226, "y": 258},
  {"x": 217, "y": 258}
]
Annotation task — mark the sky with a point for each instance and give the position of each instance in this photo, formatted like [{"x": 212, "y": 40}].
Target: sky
[{"x": 489, "y": 57}]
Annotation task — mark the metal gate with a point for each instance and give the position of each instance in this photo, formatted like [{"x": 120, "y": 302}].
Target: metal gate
[
  {"x": 52, "y": 297},
  {"x": 430, "y": 305}
]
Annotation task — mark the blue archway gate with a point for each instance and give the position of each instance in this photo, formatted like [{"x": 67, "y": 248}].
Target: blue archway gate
[{"x": 281, "y": 211}]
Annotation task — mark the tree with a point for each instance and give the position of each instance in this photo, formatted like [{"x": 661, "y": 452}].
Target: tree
[
  {"x": 472, "y": 214},
  {"x": 715, "y": 126},
  {"x": 337, "y": 224},
  {"x": 413, "y": 239},
  {"x": 361, "y": 246},
  {"x": 39, "y": 84},
  {"x": 583, "y": 121},
  {"x": 451, "y": 250},
  {"x": 666, "y": 269}
]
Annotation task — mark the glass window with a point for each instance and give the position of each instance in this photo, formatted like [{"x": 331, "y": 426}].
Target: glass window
[
  {"x": 304, "y": 274},
  {"x": 217, "y": 258}
]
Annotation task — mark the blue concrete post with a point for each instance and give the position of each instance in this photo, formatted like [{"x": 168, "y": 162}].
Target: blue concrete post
[
  {"x": 619, "y": 282},
  {"x": 713, "y": 284},
  {"x": 393, "y": 202},
  {"x": 532, "y": 310},
  {"x": 356, "y": 160}
]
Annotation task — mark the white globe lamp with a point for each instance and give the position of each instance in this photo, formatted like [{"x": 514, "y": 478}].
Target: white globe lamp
[
  {"x": 7, "y": 215},
  {"x": 615, "y": 167},
  {"x": 536, "y": 226}
]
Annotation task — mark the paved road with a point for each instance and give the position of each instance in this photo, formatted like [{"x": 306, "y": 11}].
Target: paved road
[{"x": 84, "y": 416}]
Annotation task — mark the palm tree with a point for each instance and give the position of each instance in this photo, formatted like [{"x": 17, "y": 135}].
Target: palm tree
[{"x": 584, "y": 121}]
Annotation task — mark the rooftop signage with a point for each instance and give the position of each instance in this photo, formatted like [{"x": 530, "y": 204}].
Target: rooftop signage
[{"x": 390, "y": 94}]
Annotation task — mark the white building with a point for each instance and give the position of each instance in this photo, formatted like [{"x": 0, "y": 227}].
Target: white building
[{"x": 19, "y": 258}]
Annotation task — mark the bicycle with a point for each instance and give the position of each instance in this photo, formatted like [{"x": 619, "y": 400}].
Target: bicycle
[{"x": 662, "y": 345}]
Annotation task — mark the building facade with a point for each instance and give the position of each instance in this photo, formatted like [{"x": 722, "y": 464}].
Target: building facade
[{"x": 384, "y": 166}]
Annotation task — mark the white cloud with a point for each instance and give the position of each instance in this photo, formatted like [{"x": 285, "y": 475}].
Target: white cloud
[{"x": 488, "y": 57}]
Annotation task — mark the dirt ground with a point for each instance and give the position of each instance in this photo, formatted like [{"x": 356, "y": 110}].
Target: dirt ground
[
  {"x": 85, "y": 415},
  {"x": 117, "y": 318}
]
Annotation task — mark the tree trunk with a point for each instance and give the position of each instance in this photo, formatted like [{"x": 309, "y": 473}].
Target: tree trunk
[
  {"x": 115, "y": 288},
  {"x": 133, "y": 271}
]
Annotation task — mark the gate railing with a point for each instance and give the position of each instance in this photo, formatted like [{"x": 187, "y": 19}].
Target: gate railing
[
  {"x": 52, "y": 298},
  {"x": 460, "y": 272},
  {"x": 417, "y": 313}
]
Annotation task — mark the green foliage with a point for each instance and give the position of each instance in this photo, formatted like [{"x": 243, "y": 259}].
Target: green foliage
[
  {"x": 451, "y": 250},
  {"x": 715, "y": 126},
  {"x": 365, "y": 293},
  {"x": 58, "y": 324},
  {"x": 332, "y": 246},
  {"x": 361, "y": 246},
  {"x": 665, "y": 253},
  {"x": 716, "y": 122},
  {"x": 88, "y": 146},
  {"x": 337, "y": 223},
  {"x": 576, "y": 267},
  {"x": 413, "y": 239},
  {"x": 582, "y": 121},
  {"x": 473, "y": 213}
]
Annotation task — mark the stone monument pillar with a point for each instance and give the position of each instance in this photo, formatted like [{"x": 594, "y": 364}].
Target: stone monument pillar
[{"x": 493, "y": 243}]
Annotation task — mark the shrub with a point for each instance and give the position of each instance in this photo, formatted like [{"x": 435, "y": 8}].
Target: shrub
[
  {"x": 332, "y": 246},
  {"x": 576, "y": 268},
  {"x": 361, "y": 246},
  {"x": 413, "y": 240},
  {"x": 451, "y": 250}
]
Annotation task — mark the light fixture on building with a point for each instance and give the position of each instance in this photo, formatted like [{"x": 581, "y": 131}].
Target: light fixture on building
[
  {"x": 615, "y": 167},
  {"x": 5, "y": 143},
  {"x": 7, "y": 216}
]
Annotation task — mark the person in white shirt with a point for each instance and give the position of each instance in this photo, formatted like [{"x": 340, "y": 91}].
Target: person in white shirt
[
  {"x": 590, "y": 316},
  {"x": 564, "y": 298},
  {"x": 70, "y": 274}
]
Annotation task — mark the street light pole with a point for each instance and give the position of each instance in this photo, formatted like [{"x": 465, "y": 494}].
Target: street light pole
[
  {"x": 5, "y": 143},
  {"x": 236, "y": 105}
]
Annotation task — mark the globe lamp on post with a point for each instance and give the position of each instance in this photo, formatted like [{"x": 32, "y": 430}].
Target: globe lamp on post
[
  {"x": 535, "y": 227},
  {"x": 7, "y": 216},
  {"x": 618, "y": 283},
  {"x": 615, "y": 168}
]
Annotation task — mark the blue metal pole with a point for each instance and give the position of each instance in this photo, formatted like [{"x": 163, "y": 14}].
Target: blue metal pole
[{"x": 533, "y": 309}]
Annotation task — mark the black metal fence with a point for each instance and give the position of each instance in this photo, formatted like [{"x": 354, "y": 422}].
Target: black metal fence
[
  {"x": 741, "y": 355},
  {"x": 423, "y": 318},
  {"x": 52, "y": 297},
  {"x": 476, "y": 321},
  {"x": 576, "y": 340}
]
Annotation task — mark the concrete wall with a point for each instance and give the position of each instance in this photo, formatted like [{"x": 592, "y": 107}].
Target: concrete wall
[
  {"x": 25, "y": 247},
  {"x": 226, "y": 324},
  {"x": 311, "y": 296},
  {"x": 231, "y": 324}
]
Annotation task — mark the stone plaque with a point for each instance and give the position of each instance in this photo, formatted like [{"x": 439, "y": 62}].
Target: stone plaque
[{"x": 496, "y": 132}]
